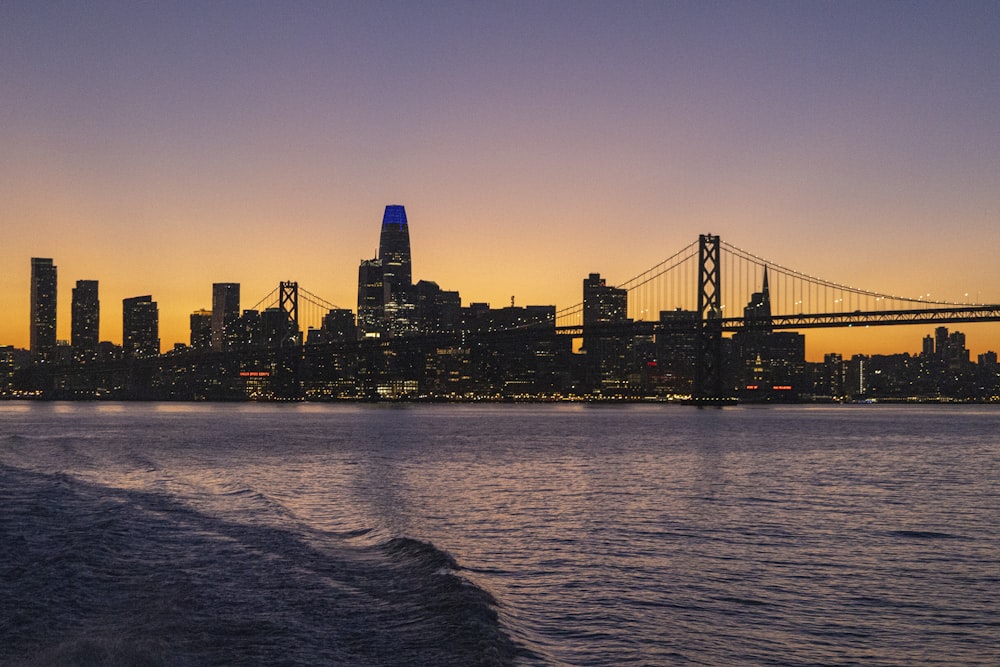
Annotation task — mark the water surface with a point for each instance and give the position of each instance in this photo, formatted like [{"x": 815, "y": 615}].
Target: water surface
[{"x": 190, "y": 534}]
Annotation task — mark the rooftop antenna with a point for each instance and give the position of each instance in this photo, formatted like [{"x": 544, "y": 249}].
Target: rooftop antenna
[{"x": 511, "y": 300}]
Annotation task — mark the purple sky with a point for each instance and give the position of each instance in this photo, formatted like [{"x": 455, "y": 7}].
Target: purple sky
[{"x": 160, "y": 147}]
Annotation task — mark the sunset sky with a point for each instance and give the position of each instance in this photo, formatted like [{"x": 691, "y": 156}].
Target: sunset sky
[{"x": 161, "y": 147}]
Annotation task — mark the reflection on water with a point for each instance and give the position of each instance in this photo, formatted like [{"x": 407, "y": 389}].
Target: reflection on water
[{"x": 607, "y": 535}]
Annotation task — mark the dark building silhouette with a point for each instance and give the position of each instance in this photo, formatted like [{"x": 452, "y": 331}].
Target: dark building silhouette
[
  {"x": 401, "y": 313},
  {"x": 201, "y": 329},
  {"x": 832, "y": 382},
  {"x": 278, "y": 330},
  {"x": 757, "y": 313},
  {"x": 769, "y": 364},
  {"x": 438, "y": 311},
  {"x": 140, "y": 327},
  {"x": 511, "y": 351},
  {"x": 246, "y": 332},
  {"x": 86, "y": 320},
  {"x": 225, "y": 310},
  {"x": 676, "y": 352},
  {"x": 8, "y": 364},
  {"x": 928, "y": 347},
  {"x": 373, "y": 292},
  {"x": 43, "y": 308},
  {"x": 606, "y": 346},
  {"x": 337, "y": 326}
]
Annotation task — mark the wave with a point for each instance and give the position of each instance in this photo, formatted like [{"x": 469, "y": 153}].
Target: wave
[
  {"x": 91, "y": 574},
  {"x": 460, "y": 613},
  {"x": 924, "y": 535}
]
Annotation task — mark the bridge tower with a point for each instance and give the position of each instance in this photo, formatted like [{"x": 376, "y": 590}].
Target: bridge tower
[
  {"x": 708, "y": 359},
  {"x": 288, "y": 300}
]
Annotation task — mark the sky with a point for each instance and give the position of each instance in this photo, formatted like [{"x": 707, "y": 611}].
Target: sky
[{"x": 161, "y": 147}]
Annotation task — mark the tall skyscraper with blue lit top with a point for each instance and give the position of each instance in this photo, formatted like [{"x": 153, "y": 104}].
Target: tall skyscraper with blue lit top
[
  {"x": 394, "y": 249},
  {"x": 386, "y": 304}
]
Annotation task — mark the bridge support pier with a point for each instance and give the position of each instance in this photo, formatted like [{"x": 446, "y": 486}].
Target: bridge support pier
[
  {"x": 708, "y": 385},
  {"x": 288, "y": 300}
]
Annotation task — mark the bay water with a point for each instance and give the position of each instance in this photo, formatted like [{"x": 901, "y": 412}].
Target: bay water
[{"x": 496, "y": 534}]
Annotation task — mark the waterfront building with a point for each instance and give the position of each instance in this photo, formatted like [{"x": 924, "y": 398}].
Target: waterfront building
[
  {"x": 140, "y": 327},
  {"x": 7, "y": 367},
  {"x": 832, "y": 379},
  {"x": 85, "y": 321},
  {"x": 676, "y": 352},
  {"x": 43, "y": 308}
]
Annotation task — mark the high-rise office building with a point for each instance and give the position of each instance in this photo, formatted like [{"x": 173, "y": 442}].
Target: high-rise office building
[
  {"x": 140, "y": 327},
  {"x": 437, "y": 310},
  {"x": 373, "y": 293},
  {"x": 607, "y": 350},
  {"x": 201, "y": 329},
  {"x": 86, "y": 320},
  {"x": 338, "y": 324},
  {"x": 43, "y": 308},
  {"x": 677, "y": 350},
  {"x": 394, "y": 249},
  {"x": 387, "y": 301},
  {"x": 225, "y": 310},
  {"x": 602, "y": 303}
]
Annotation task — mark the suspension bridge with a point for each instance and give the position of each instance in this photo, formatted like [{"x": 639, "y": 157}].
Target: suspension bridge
[
  {"x": 713, "y": 281},
  {"x": 718, "y": 279}
]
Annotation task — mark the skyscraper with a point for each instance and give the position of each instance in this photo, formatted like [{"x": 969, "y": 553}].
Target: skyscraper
[
  {"x": 372, "y": 295},
  {"x": 607, "y": 350},
  {"x": 771, "y": 362},
  {"x": 201, "y": 329},
  {"x": 86, "y": 320},
  {"x": 225, "y": 310},
  {"x": 43, "y": 308},
  {"x": 140, "y": 327},
  {"x": 757, "y": 313},
  {"x": 602, "y": 304},
  {"x": 386, "y": 300},
  {"x": 394, "y": 249}
]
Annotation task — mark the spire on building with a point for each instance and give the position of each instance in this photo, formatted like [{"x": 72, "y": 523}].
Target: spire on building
[{"x": 757, "y": 313}]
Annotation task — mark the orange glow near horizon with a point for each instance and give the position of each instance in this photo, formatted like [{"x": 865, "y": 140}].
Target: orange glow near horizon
[
  {"x": 153, "y": 150},
  {"x": 177, "y": 300}
]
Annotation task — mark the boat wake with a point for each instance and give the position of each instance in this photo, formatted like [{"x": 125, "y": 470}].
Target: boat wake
[{"x": 97, "y": 575}]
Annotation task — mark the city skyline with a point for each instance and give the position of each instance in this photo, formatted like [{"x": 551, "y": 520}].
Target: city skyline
[
  {"x": 162, "y": 151},
  {"x": 387, "y": 313}
]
